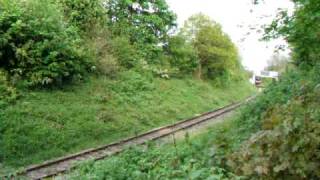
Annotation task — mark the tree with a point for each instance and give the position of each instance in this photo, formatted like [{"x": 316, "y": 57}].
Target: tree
[
  {"x": 182, "y": 55},
  {"x": 277, "y": 63},
  {"x": 84, "y": 13},
  {"x": 147, "y": 23},
  {"x": 193, "y": 25},
  {"x": 301, "y": 30},
  {"x": 218, "y": 56}
]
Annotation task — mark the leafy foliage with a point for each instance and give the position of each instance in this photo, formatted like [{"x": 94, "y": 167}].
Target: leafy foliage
[
  {"x": 37, "y": 45},
  {"x": 146, "y": 23},
  {"x": 8, "y": 93},
  {"x": 287, "y": 146},
  {"x": 301, "y": 30},
  {"x": 84, "y": 14},
  {"x": 46, "y": 43},
  {"x": 192, "y": 26},
  {"x": 217, "y": 55},
  {"x": 125, "y": 52},
  {"x": 183, "y": 161},
  {"x": 278, "y": 63},
  {"x": 286, "y": 118},
  {"x": 182, "y": 55}
]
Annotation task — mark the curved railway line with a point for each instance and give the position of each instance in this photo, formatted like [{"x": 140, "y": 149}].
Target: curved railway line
[{"x": 63, "y": 164}]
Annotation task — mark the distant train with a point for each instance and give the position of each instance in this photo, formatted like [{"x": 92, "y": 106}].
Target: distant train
[
  {"x": 257, "y": 81},
  {"x": 259, "y": 78}
]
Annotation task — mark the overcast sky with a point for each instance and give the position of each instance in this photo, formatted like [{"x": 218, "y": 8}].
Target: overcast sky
[{"x": 236, "y": 18}]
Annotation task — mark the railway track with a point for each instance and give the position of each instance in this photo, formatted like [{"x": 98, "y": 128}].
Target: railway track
[{"x": 61, "y": 165}]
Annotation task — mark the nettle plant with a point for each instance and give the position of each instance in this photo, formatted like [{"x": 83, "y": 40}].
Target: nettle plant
[{"x": 37, "y": 45}]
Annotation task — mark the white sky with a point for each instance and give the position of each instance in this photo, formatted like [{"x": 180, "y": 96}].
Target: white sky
[{"x": 233, "y": 13}]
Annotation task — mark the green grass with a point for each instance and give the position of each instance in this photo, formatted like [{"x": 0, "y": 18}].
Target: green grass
[
  {"x": 45, "y": 124},
  {"x": 196, "y": 157}
]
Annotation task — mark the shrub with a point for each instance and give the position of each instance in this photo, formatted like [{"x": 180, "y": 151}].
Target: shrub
[
  {"x": 132, "y": 82},
  {"x": 182, "y": 55},
  {"x": 84, "y": 13},
  {"x": 7, "y": 93},
  {"x": 287, "y": 143},
  {"x": 125, "y": 52},
  {"x": 108, "y": 65},
  {"x": 37, "y": 45}
]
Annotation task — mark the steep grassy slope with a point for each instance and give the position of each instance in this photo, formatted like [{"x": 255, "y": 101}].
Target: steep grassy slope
[{"x": 46, "y": 124}]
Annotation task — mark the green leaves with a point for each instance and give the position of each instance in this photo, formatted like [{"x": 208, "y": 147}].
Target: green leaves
[
  {"x": 287, "y": 143},
  {"x": 182, "y": 55},
  {"x": 84, "y": 13},
  {"x": 301, "y": 30},
  {"x": 38, "y": 45},
  {"x": 145, "y": 23},
  {"x": 8, "y": 94},
  {"x": 186, "y": 161},
  {"x": 217, "y": 54}
]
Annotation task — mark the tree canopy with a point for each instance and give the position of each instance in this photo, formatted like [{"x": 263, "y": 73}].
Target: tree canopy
[
  {"x": 145, "y": 23},
  {"x": 218, "y": 56},
  {"x": 301, "y": 30}
]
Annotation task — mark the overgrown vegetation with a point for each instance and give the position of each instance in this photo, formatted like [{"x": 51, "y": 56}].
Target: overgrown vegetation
[
  {"x": 286, "y": 122},
  {"x": 37, "y": 46},
  {"x": 8, "y": 93},
  {"x": 286, "y": 118},
  {"x": 85, "y": 15}
]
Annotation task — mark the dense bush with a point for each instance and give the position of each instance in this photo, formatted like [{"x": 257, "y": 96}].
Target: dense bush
[
  {"x": 7, "y": 93},
  {"x": 182, "y": 55},
  {"x": 84, "y": 14},
  {"x": 287, "y": 143},
  {"x": 146, "y": 23},
  {"x": 285, "y": 118},
  {"x": 37, "y": 45},
  {"x": 126, "y": 53}
]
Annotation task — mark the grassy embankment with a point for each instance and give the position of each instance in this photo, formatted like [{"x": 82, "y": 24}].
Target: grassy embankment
[{"x": 45, "y": 124}]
